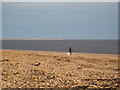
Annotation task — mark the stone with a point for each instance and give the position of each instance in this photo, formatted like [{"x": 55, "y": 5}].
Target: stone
[{"x": 36, "y": 64}]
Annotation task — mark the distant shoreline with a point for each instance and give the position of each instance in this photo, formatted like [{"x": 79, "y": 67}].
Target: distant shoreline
[{"x": 31, "y": 39}]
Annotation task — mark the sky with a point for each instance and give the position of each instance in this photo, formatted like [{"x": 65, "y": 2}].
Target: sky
[
  {"x": 60, "y": 20},
  {"x": 0, "y": 21}
]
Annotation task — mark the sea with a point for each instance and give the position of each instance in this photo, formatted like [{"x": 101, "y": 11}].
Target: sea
[{"x": 78, "y": 46}]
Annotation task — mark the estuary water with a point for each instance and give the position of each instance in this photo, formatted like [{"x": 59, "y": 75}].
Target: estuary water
[{"x": 80, "y": 46}]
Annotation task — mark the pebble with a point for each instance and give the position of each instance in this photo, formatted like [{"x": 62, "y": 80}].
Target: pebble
[{"x": 36, "y": 64}]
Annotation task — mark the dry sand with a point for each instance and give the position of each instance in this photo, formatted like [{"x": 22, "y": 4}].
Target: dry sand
[{"x": 40, "y": 69}]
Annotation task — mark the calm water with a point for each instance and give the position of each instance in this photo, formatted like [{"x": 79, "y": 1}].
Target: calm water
[{"x": 82, "y": 46}]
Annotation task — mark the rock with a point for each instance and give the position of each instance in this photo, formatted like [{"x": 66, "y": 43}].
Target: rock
[
  {"x": 58, "y": 59},
  {"x": 15, "y": 72},
  {"x": 5, "y": 59},
  {"x": 67, "y": 60},
  {"x": 36, "y": 64},
  {"x": 50, "y": 77},
  {"x": 42, "y": 81},
  {"x": 79, "y": 67}
]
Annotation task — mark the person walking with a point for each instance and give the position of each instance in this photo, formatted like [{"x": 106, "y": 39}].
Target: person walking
[{"x": 70, "y": 51}]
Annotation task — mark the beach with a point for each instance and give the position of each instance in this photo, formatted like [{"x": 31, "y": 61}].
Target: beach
[{"x": 44, "y": 69}]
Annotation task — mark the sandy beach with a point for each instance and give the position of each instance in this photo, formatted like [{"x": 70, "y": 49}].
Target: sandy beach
[{"x": 42, "y": 69}]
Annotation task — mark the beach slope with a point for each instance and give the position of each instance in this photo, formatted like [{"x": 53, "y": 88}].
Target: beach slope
[{"x": 40, "y": 69}]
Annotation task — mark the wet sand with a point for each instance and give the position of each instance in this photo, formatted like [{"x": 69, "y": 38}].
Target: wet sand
[{"x": 40, "y": 69}]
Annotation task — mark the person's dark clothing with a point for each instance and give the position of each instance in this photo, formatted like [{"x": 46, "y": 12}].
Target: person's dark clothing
[{"x": 70, "y": 50}]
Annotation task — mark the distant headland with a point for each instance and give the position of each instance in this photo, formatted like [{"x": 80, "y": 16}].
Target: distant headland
[{"x": 31, "y": 39}]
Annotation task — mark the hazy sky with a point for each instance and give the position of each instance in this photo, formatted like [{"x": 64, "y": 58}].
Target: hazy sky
[
  {"x": 60, "y": 20},
  {"x": 60, "y": 0}
]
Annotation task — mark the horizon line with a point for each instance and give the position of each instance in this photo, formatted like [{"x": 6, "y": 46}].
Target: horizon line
[{"x": 59, "y": 39}]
